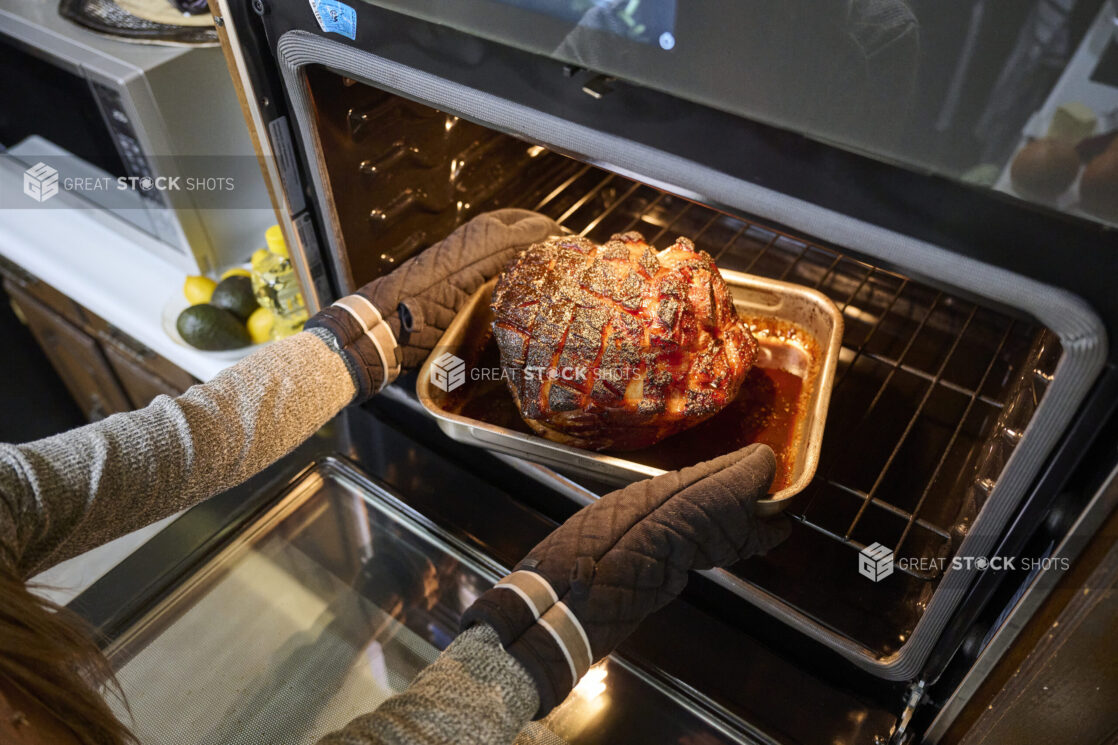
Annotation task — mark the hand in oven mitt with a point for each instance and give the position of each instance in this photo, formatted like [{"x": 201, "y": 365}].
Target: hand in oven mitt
[
  {"x": 587, "y": 586},
  {"x": 391, "y": 324}
]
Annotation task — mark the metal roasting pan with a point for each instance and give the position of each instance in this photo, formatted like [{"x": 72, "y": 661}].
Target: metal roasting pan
[{"x": 799, "y": 330}]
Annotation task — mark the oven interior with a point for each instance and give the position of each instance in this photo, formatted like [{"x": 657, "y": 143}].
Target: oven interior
[{"x": 933, "y": 390}]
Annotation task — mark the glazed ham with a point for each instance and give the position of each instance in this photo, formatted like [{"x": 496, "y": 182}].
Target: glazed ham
[{"x": 616, "y": 346}]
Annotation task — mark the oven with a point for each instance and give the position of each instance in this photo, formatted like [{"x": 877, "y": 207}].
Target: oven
[{"x": 971, "y": 424}]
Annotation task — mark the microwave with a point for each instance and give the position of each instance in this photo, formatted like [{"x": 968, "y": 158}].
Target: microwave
[{"x": 148, "y": 135}]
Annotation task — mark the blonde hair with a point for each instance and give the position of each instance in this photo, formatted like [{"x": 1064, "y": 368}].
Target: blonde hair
[{"x": 47, "y": 653}]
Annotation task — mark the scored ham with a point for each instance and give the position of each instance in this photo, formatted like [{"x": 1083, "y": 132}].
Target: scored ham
[{"x": 616, "y": 346}]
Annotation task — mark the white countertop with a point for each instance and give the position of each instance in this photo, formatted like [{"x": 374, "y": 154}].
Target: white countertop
[{"x": 103, "y": 270}]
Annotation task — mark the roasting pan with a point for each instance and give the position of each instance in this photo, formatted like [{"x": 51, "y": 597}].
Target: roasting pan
[{"x": 783, "y": 401}]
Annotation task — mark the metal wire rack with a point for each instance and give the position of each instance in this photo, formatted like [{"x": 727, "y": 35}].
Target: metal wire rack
[
  {"x": 932, "y": 390},
  {"x": 923, "y": 375}
]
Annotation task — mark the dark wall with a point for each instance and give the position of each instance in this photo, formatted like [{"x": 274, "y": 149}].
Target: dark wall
[{"x": 34, "y": 402}]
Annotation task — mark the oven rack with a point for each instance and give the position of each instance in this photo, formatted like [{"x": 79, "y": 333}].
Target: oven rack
[{"x": 924, "y": 376}]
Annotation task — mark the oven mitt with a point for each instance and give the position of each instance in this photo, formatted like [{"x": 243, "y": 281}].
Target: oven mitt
[
  {"x": 391, "y": 324},
  {"x": 586, "y": 587}
]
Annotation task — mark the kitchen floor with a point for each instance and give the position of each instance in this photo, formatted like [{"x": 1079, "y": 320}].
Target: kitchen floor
[{"x": 65, "y": 581}]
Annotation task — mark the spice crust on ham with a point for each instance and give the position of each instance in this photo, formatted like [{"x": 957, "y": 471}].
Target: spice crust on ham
[{"x": 617, "y": 346}]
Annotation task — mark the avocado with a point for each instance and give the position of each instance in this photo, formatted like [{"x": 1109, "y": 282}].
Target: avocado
[
  {"x": 206, "y": 326},
  {"x": 234, "y": 294}
]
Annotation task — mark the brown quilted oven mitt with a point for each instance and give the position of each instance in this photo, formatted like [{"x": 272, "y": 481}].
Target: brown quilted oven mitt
[
  {"x": 391, "y": 324},
  {"x": 587, "y": 586}
]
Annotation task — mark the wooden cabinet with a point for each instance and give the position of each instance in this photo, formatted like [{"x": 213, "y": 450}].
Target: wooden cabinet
[
  {"x": 75, "y": 356},
  {"x": 139, "y": 383},
  {"x": 104, "y": 370}
]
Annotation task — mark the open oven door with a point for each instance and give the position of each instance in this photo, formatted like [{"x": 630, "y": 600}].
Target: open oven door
[
  {"x": 322, "y": 607},
  {"x": 279, "y": 612}
]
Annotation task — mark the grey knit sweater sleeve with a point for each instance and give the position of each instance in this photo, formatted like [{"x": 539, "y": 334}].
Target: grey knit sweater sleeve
[
  {"x": 63, "y": 495},
  {"x": 473, "y": 694}
]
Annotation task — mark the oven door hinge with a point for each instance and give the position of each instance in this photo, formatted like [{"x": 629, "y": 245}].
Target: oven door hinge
[{"x": 913, "y": 698}]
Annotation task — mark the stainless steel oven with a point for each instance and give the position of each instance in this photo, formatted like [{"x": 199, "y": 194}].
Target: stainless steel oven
[{"x": 818, "y": 144}]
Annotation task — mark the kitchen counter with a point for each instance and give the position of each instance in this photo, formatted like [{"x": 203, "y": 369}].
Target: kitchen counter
[{"x": 104, "y": 270}]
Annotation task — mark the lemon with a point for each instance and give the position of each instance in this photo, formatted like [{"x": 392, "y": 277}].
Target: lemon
[
  {"x": 198, "y": 289},
  {"x": 236, "y": 272},
  {"x": 260, "y": 325},
  {"x": 273, "y": 236},
  {"x": 260, "y": 255}
]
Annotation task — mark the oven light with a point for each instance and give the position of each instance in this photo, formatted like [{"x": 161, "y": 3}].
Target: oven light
[
  {"x": 581, "y": 710},
  {"x": 593, "y": 684},
  {"x": 535, "y": 151},
  {"x": 860, "y": 315}
]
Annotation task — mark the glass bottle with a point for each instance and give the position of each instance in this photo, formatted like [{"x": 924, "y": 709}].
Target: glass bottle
[{"x": 276, "y": 286}]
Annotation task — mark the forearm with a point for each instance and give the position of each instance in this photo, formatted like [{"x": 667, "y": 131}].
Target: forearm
[
  {"x": 65, "y": 494},
  {"x": 473, "y": 693}
]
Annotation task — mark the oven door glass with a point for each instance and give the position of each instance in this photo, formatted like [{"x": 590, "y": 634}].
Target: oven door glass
[
  {"x": 1019, "y": 97},
  {"x": 325, "y": 606}
]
